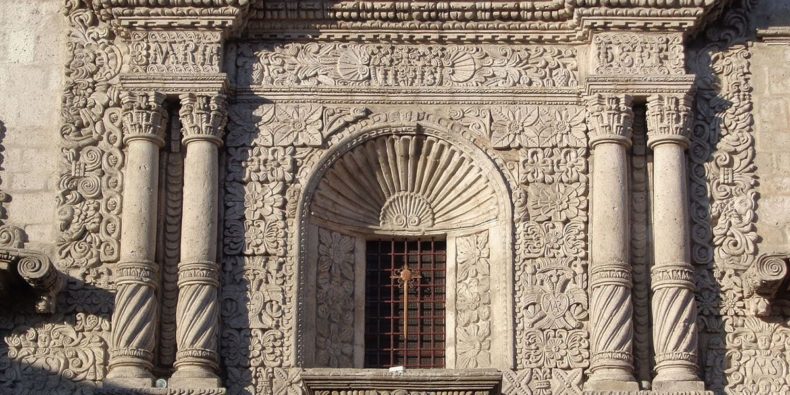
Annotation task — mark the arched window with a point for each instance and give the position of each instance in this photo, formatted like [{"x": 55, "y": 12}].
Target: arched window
[{"x": 406, "y": 256}]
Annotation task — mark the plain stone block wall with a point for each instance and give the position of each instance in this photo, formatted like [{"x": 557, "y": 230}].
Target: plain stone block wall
[
  {"x": 32, "y": 58},
  {"x": 771, "y": 71}
]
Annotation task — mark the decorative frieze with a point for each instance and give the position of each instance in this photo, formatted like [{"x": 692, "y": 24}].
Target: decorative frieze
[
  {"x": 378, "y": 65},
  {"x": 638, "y": 54}
]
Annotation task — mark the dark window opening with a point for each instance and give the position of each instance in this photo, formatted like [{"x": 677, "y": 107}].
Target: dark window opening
[{"x": 405, "y": 303}]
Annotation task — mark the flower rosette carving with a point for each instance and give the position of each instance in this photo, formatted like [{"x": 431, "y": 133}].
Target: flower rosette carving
[
  {"x": 335, "y": 298},
  {"x": 557, "y": 202},
  {"x": 554, "y": 239},
  {"x": 254, "y": 219},
  {"x": 556, "y": 348},
  {"x": 550, "y": 165},
  {"x": 534, "y": 126},
  {"x": 300, "y": 125}
]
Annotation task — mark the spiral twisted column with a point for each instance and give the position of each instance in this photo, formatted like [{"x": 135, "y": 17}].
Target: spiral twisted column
[
  {"x": 197, "y": 312},
  {"x": 135, "y": 317},
  {"x": 609, "y": 120},
  {"x": 672, "y": 276}
]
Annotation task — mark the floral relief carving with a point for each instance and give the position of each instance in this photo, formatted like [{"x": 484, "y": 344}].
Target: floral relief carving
[
  {"x": 534, "y": 126},
  {"x": 335, "y": 298},
  {"x": 473, "y": 302},
  {"x": 298, "y": 125},
  {"x": 69, "y": 351},
  {"x": 549, "y": 165},
  {"x": 261, "y": 164},
  {"x": 557, "y": 202},
  {"x": 554, "y": 239},
  {"x": 254, "y": 219},
  {"x": 556, "y": 348},
  {"x": 375, "y": 65}
]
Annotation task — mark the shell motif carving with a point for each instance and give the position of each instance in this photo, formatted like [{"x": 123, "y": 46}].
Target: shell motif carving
[
  {"x": 405, "y": 182},
  {"x": 406, "y": 210}
]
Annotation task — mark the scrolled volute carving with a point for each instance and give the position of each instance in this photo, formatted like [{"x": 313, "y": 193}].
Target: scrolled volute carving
[
  {"x": 762, "y": 281},
  {"x": 668, "y": 119},
  {"x": 204, "y": 117},
  {"x": 26, "y": 269},
  {"x": 144, "y": 117},
  {"x": 609, "y": 118}
]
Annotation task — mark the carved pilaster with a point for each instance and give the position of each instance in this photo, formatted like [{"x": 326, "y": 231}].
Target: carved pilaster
[
  {"x": 609, "y": 120},
  {"x": 135, "y": 316},
  {"x": 674, "y": 309},
  {"x": 197, "y": 313}
]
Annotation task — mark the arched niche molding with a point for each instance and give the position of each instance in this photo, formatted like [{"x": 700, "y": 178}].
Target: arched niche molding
[{"x": 404, "y": 175}]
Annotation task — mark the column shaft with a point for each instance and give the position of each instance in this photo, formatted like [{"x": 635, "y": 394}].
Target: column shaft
[
  {"x": 611, "y": 310},
  {"x": 197, "y": 311},
  {"x": 672, "y": 276},
  {"x": 135, "y": 316}
]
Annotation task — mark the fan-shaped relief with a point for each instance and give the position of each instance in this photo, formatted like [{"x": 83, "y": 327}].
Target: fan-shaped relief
[{"x": 405, "y": 182}]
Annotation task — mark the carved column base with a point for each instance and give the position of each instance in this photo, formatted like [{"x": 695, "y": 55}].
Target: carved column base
[
  {"x": 611, "y": 380},
  {"x": 194, "y": 379},
  {"x": 128, "y": 377},
  {"x": 678, "y": 378}
]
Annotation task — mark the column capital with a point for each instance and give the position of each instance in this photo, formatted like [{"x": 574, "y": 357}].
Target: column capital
[
  {"x": 668, "y": 119},
  {"x": 144, "y": 117},
  {"x": 203, "y": 117},
  {"x": 609, "y": 118}
]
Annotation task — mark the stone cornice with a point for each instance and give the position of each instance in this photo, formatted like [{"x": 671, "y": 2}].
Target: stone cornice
[
  {"x": 226, "y": 15},
  {"x": 469, "y": 21}
]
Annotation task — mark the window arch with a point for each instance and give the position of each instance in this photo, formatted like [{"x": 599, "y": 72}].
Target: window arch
[{"x": 405, "y": 181}]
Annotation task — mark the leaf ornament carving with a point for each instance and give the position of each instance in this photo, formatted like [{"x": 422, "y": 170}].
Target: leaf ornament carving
[
  {"x": 335, "y": 298},
  {"x": 380, "y": 65},
  {"x": 473, "y": 301},
  {"x": 89, "y": 190},
  {"x": 539, "y": 126}
]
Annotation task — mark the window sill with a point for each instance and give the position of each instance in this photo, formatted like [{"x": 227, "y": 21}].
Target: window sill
[{"x": 325, "y": 381}]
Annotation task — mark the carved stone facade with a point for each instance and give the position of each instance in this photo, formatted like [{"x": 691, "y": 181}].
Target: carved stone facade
[{"x": 593, "y": 168}]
